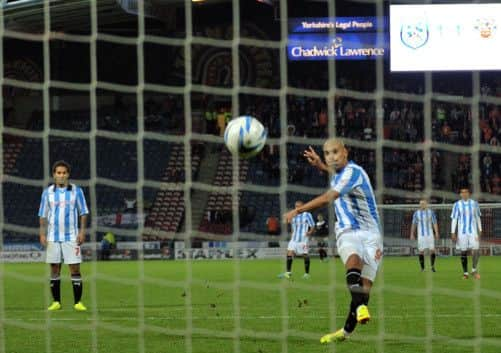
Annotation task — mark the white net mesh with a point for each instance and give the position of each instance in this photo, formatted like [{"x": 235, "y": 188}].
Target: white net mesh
[{"x": 197, "y": 193}]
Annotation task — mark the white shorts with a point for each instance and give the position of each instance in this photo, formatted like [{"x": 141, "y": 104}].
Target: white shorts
[
  {"x": 299, "y": 248},
  {"x": 367, "y": 245},
  {"x": 425, "y": 242},
  {"x": 70, "y": 252},
  {"x": 467, "y": 241}
]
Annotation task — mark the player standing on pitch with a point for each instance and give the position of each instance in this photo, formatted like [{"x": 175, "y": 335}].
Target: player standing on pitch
[
  {"x": 425, "y": 221},
  {"x": 358, "y": 236},
  {"x": 466, "y": 217},
  {"x": 62, "y": 206},
  {"x": 303, "y": 227}
]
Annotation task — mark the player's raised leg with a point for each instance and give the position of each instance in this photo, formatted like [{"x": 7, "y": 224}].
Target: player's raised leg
[{"x": 359, "y": 289}]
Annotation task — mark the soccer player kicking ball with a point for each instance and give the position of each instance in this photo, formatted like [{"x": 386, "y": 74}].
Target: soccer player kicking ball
[
  {"x": 358, "y": 237},
  {"x": 62, "y": 206},
  {"x": 466, "y": 217},
  {"x": 425, "y": 221},
  {"x": 303, "y": 227}
]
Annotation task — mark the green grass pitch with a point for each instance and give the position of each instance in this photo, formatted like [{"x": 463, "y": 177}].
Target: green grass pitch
[{"x": 227, "y": 306}]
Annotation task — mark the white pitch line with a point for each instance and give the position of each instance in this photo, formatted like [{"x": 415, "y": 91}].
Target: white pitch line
[{"x": 247, "y": 317}]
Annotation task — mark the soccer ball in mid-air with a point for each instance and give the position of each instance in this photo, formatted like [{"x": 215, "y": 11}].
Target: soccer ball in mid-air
[{"x": 245, "y": 136}]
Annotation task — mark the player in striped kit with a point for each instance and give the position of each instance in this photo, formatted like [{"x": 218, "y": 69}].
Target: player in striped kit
[
  {"x": 358, "y": 236},
  {"x": 466, "y": 218},
  {"x": 61, "y": 208},
  {"x": 424, "y": 221},
  {"x": 303, "y": 227}
]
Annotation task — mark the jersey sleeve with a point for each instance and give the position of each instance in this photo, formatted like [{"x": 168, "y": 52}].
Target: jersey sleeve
[
  {"x": 433, "y": 217},
  {"x": 455, "y": 211},
  {"x": 43, "y": 210},
  {"x": 477, "y": 216},
  {"x": 415, "y": 218},
  {"x": 81, "y": 204},
  {"x": 350, "y": 178},
  {"x": 477, "y": 210},
  {"x": 310, "y": 221}
]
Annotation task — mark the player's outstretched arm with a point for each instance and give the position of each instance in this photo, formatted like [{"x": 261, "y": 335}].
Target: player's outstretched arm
[
  {"x": 318, "y": 202},
  {"x": 314, "y": 159}
]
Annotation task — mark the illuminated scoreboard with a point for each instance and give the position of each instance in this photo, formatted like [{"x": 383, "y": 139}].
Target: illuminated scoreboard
[{"x": 445, "y": 37}]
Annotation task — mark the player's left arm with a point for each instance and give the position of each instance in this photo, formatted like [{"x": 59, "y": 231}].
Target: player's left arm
[
  {"x": 318, "y": 202},
  {"x": 454, "y": 221},
  {"x": 43, "y": 213},
  {"x": 435, "y": 225},
  {"x": 83, "y": 211},
  {"x": 81, "y": 231},
  {"x": 311, "y": 225},
  {"x": 414, "y": 225},
  {"x": 413, "y": 231},
  {"x": 478, "y": 219}
]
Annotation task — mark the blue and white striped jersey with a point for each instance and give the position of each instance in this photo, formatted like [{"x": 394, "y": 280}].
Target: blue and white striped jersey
[
  {"x": 62, "y": 208},
  {"x": 300, "y": 226},
  {"x": 424, "y": 220},
  {"x": 356, "y": 206},
  {"x": 467, "y": 214}
]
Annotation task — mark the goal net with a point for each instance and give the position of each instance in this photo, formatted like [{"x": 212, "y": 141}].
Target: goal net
[{"x": 135, "y": 95}]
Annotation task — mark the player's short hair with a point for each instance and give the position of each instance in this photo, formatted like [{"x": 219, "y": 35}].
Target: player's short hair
[
  {"x": 335, "y": 140},
  {"x": 464, "y": 187},
  {"x": 61, "y": 163}
]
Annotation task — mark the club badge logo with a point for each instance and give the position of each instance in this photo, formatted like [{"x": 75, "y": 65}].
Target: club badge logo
[
  {"x": 486, "y": 27},
  {"x": 414, "y": 35}
]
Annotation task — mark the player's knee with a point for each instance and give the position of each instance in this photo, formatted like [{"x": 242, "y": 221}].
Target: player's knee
[
  {"x": 354, "y": 261},
  {"x": 55, "y": 276},
  {"x": 74, "y": 270},
  {"x": 55, "y": 271},
  {"x": 366, "y": 284}
]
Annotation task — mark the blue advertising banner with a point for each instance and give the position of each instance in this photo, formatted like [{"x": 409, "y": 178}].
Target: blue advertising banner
[
  {"x": 344, "y": 46},
  {"x": 341, "y": 24}
]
